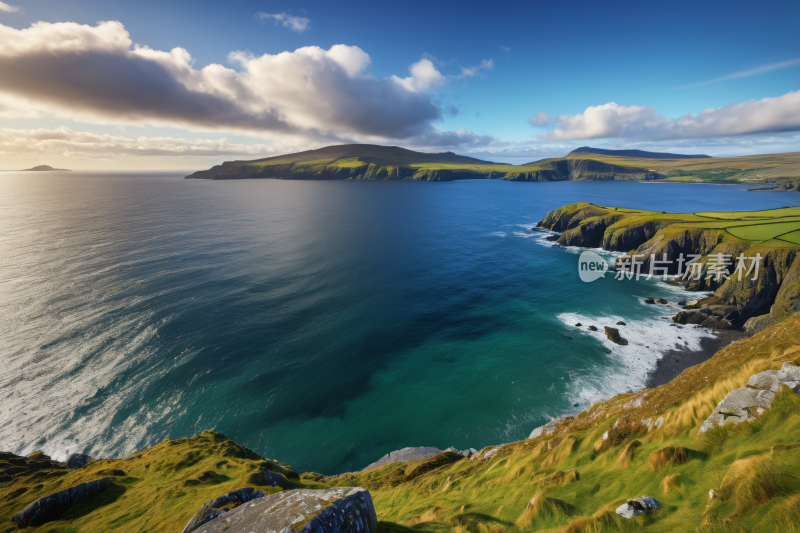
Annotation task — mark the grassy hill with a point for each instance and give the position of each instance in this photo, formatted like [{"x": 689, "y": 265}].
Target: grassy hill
[{"x": 373, "y": 162}]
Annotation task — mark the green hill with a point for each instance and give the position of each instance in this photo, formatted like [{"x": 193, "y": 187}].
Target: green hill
[{"x": 374, "y": 162}]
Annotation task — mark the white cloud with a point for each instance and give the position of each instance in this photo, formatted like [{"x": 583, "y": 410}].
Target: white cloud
[
  {"x": 423, "y": 76},
  {"x": 8, "y": 8},
  {"x": 298, "y": 24},
  {"x": 747, "y": 73},
  {"x": 96, "y": 73},
  {"x": 542, "y": 119},
  {"x": 68, "y": 143},
  {"x": 773, "y": 114},
  {"x": 477, "y": 70}
]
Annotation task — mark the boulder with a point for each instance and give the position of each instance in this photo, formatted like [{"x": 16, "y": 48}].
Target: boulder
[
  {"x": 54, "y": 506},
  {"x": 662, "y": 301},
  {"x": 637, "y": 506},
  {"x": 621, "y": 323},
  {"x": 749, "y": 402},
  {"x": 547, "y": 428},
  {"x": 221, "y": 505},
  {"x": 592, "y": 328},
  {"x": 714, "y": 322},
  {"x": 614, "y": 336},
  {"x": 78, "y": 460},
  {"x": 682, "y": 302},
  {"x": 469, "y": 452},
  {"x": 650, "y": 301},
  {"x": 578, "y": 325},
  {"x": 339, "y": 510},
  {"x": 681, "y": 318},
  {"x": 405, "y": 454}
]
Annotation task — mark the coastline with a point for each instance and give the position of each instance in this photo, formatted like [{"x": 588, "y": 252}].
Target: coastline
[{"x": 674, "y": 362}]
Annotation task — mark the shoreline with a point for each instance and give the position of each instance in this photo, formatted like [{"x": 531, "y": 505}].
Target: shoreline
[{"x": 676, "y": 361}]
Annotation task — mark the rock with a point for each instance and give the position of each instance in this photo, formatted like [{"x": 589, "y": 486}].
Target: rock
[
  {"x": 637, "y": 506},
  {"x": 714, "y": 322},
  {"x": 713, "y": 494},
  {"x": 621, "y": 323},
  {"x": 491, "y": 453},
  {"x": 650, "y": 301},
  {"x": 52, "y": 507},
  {"x": 662, "y": 301},
  {"x": 405, "y": 454},
  {"x": 469, "y": 452},
  {"x": 614, "y": 336},
  {"x": 547, "y": 428},
  {"x": 697, "y": 318},
  {"x": 749, "y": 402},
  {"x": 221, "y": 505},
  {"x": 681, "y": 318},
  {"x": 681, "y": 302},
  {"x": 340, "y": 510},
  {"x": 578, "y": 325},
  {"x": 694, "y": 304},
  {"x": 78, "y": 460},
  {"x": 592, "y": 328}
]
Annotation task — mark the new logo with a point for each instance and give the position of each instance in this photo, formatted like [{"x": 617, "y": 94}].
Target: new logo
[{"x": 591, "y": 266}]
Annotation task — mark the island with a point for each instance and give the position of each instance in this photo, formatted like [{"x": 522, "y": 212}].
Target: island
[
  {"x": 43, "y": 168},
  {"x": 375, "y": 162},
  {"x": 714, "y": 449}
]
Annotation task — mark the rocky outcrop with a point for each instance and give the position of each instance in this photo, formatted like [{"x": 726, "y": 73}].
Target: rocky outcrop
[
  {"x": 337, "y": 510},
  {"x": 637, "y": 506},
  {"x": 78, "y": 460},
  {"x": 405, "y": 454},
  {"x": 749, "y": 402},
  {"x": 221, "y": 505},
  {"x": 614, "y": 336},
  {"x": 54, "y": 506}
]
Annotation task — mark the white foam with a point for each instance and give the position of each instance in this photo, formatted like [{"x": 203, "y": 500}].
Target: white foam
[
  {"x": 499, "y": 234},
  {"x": 648, "y": 340}
]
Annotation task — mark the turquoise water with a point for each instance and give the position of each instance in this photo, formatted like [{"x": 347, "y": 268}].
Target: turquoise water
[{"x": 320, "y": 323}]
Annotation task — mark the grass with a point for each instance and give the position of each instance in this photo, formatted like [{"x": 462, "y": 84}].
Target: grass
[{"x": 391, "y": 162}]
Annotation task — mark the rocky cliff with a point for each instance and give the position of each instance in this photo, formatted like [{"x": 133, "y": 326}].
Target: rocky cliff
[{"x": 752, "y": 304}]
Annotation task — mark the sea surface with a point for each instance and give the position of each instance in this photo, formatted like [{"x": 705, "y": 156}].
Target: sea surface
[{"x": 321, "y": 323}]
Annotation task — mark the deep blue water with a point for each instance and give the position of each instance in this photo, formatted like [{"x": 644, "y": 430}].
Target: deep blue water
[{"x": 320, "y": 323}]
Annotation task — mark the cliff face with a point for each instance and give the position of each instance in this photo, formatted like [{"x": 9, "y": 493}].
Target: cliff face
[
  {"x": 753, "y": 304},
  {"x": 556, "y": 170}
]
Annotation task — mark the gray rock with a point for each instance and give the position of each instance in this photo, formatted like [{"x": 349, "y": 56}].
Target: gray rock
[
  {"x": 221, "y": 505},
  {"x": 54, "y": 506},
  {"x": 749, "y": 402},
  {"x": 637, "y": 506},
  {"x": 592, "y": 328},
  {"x": 547, "y": 428},
  {"x": 662, "y": 301},
  {"x": 78, "y": 460},
  {"x": 405, "y": 454},
  {"x": 469, "y": 452},
  {"x": 621, "y": 323},
  {"x": 337, "y": 510},
  {"x": 681, "y": 318},
  {"x": 650, "y": 301}
]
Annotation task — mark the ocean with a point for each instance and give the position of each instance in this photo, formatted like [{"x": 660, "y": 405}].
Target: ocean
[{"x": 320, "y": 323}]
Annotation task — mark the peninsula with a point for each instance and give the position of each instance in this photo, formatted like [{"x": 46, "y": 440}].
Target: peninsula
[{"x": 374, "y": 162}]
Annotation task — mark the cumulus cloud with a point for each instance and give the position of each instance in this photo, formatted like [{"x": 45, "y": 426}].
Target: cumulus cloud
[
  {"x": 298, "y": 24},
  {"x": 68, "y": 143},
  {"x": 97, "y": 73},
  {"x": 423, "y": 76},
  {"x": 8, "y": 8},
  {"x": 773, "y": 114}
]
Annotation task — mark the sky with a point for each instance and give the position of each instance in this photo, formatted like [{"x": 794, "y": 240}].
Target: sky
[{"x": 102, "y": 84}]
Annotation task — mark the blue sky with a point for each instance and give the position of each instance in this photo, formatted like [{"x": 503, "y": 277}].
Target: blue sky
[{"x": 497, "y": 65}]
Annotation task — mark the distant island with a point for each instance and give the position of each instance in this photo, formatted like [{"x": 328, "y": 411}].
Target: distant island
[
  {"x": 636, "y": 153},
  {"x": 40, "y": 168},
  {"x": 374, "y": 162}
]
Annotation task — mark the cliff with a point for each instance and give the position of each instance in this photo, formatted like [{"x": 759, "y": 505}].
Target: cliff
[{"x": 752, "y": 304}]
